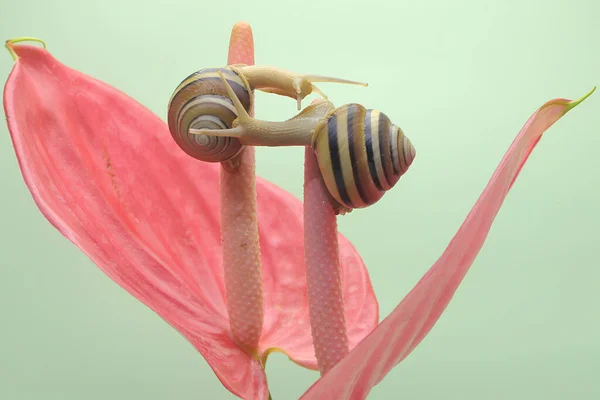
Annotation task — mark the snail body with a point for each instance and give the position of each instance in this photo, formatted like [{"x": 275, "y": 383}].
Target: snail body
[
  {"x": 201, "y": 102},
  {"x": 360, "y": 152}
]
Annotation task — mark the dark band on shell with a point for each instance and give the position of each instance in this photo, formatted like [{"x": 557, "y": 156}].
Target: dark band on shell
[
  {"x": 201, "y": 102},
  {"x": 361, "y": 154}
]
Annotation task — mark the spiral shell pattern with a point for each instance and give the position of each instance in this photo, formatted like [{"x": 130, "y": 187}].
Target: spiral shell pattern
[
  {"x": 361, "y": 155},
  {"x": 201, "y": 102}
]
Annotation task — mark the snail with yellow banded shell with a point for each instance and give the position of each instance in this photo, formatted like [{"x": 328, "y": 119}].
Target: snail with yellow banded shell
[
  {"x": 360, "y": 152},
  {"x": 201, "y": 102}
]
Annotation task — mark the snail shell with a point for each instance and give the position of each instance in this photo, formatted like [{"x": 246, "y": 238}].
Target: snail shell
[
  {"x": 361, "y": 155},
  {"x": 360, "y": 152},
  {"x": 201, "y": 102}
]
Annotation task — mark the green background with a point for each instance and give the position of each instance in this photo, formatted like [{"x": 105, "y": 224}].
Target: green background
[{"x": 460, "y": 78}]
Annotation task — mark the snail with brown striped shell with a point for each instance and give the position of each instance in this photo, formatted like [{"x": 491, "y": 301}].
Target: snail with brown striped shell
[
  {"x": 201, "y": 102},
  {"x": 360, "y": 152}
]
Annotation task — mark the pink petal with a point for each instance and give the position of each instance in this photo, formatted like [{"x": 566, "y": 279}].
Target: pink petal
[
  {"x": 99, "y": 167},
  {"x": 106, "y": 173},
  {"x": 414, "y": 317}
]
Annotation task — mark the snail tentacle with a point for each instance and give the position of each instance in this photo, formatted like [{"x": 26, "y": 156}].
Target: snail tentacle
[{"x": 285, "y": 83}]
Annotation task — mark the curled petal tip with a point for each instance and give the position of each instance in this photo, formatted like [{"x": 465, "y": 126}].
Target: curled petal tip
[
  {"x": 566, "y": 105},
  {"x": 574, "y": 103},
  {"x": 9, "y": 44}
]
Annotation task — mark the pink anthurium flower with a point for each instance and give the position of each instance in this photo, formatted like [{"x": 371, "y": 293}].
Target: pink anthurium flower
[{"x": 105, "y": 172}]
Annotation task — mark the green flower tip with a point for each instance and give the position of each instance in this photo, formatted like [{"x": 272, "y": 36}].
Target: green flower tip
[
  {"x": 9, "y": 44},
  {"x": 574, "y": 103}
]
